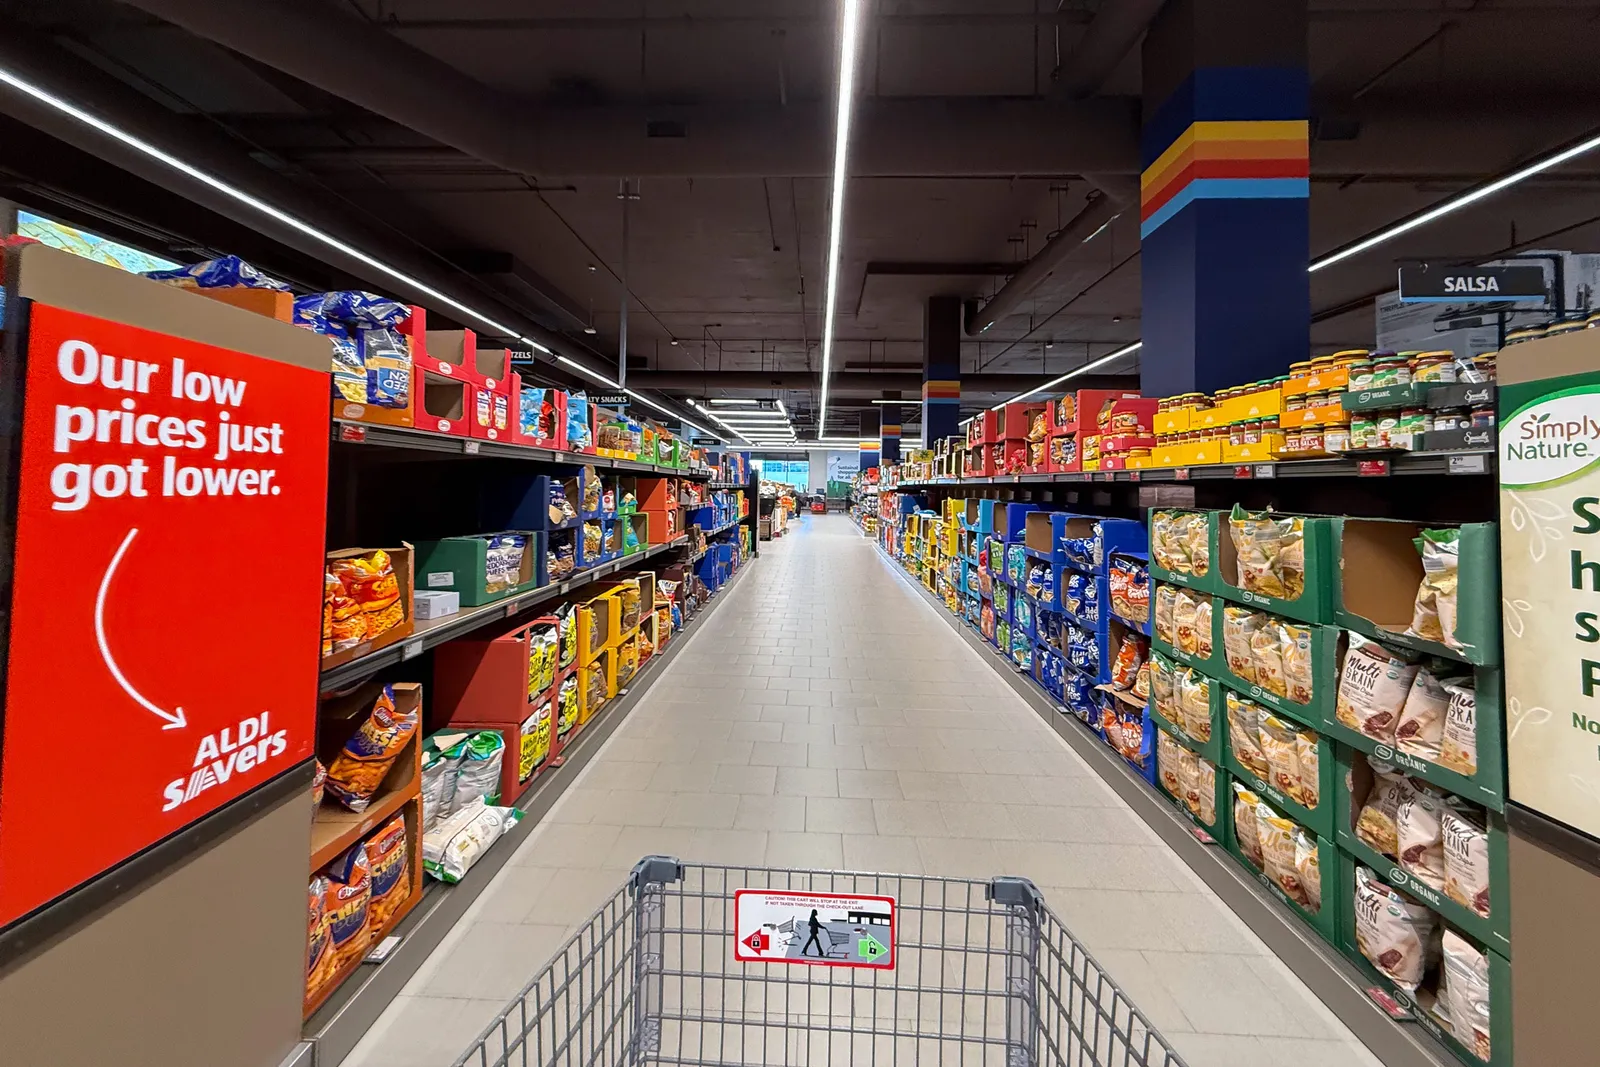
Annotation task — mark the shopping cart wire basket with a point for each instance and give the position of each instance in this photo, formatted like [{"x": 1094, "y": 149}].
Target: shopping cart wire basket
[{"x": 967, "y": 973}]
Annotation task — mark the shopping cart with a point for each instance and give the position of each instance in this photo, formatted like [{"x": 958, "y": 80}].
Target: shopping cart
[{"x": 950, "y": 972}]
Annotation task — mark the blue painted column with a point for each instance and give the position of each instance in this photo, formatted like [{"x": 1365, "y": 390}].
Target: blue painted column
[
  {"x": 1224, "y": 219},
  {"x": 889, "y": 433},
  {"x": 941, "y": 369},
  {"x": 870, "y": 426}
]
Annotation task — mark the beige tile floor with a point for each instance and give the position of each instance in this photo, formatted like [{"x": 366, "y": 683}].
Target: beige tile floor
[{"x": 824, "y": 717}]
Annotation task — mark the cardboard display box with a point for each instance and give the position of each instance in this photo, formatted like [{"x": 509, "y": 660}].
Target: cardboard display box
[
  {"x": 461, "y": 563},
  {"x": 403, "y": 562}
]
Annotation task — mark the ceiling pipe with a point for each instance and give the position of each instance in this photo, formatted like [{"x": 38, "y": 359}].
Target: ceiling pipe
[
  {"x": 1116, "y": 28},
  {"x": 1112, "y": 195},
  {"x": 862, "y": 384}
]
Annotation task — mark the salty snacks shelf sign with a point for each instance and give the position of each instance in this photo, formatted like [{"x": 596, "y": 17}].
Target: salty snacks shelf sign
[
  {"x": 165, "y": 600},
  {"x": 1550, "y": 577}
]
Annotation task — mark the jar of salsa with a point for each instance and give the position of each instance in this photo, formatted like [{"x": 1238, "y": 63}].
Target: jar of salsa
[
  {"x": 1311, "y": 439},
  {"x": 1360, "y": 375},
  {"x": 1334, "y": 439},
  {"x": 1437, "y": 367},
  {"x": 1291, "y": 441},
  {"x": 1451, "y": 419},
  {"x": 1252, "y": 432},
  {"x": 1363, "y": 430}
]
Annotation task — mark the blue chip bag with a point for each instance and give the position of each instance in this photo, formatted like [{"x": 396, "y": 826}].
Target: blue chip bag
[
  {"x": 224, "y": 273},
  {"x": 578, "y": 435},
  {"x": 367, "y": 311},
  {"x": 1083, "y": 551},
  {"x": 387, "y": 358}
]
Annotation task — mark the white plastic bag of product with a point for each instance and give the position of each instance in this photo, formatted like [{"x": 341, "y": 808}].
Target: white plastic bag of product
[
  {"x": 1459, "y": 749},
  {"x": 441, "y": 760},
  {"x": 1399, "y": 936},
  {"x": 1373, "y": 685},
  {"x": 1421, "y": 724},
  {"x": 479, "y": 776},
  {"x": 1419, "y": 835},
  {"x": 1466, "y": 993},
  {"x": 451, "y": 848},
  {"x": 1466, "y": 859}
]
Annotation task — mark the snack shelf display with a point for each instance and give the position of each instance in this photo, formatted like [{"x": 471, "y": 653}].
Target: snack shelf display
[{"x": 1325, "y": 702}]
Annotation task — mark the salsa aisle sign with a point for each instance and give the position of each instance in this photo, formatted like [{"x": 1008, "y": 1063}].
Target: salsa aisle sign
[
  {"x": 1428, "y": 283},
  {"x": 1550, "y": 575},
  {"x": 165, "y": 602},
  {"x": 826, "y": 929}
]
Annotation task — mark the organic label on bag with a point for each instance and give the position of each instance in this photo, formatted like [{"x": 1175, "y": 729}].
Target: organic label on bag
[{"x": 1550, "y": 562}]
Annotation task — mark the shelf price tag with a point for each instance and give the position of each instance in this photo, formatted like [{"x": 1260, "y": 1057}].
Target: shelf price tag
[
  {"x": 1468, "y": 464},
  {"x": 1181, "y": 474},
  {"x": 1372, "y": 468},
  {"x": 352, "y": 434},
  {"x": 1244, "y": 470},
  {"x": 1266, "y": 470},
  {"x": 411, "y": 649},
  {"x": 469, "y": 447}
]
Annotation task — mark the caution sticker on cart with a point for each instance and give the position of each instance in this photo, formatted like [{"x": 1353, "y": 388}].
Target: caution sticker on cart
[{"x": 830, "y": 929}]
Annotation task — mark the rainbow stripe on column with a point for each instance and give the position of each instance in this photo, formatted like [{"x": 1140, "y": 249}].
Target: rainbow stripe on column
[
  {"x": 1255, "y": 160},
  {"x": 941, "y": 392}
]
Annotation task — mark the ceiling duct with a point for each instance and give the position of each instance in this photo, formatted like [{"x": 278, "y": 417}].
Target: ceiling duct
[{"x": 1116, "y": 28}]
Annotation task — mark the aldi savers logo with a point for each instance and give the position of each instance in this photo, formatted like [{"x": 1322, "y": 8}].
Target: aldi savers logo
[{"x": 1553, "y": 439}]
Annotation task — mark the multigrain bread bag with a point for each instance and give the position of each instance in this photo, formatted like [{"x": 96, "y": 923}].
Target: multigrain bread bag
[
  {"x": 1399, "y": 936},
  {"x": 1466, "y": 858},
  {"x": 1466, "y": 993},
  {"x": 1373, "y": 685},
  {"x": 1376, "y": 824}
]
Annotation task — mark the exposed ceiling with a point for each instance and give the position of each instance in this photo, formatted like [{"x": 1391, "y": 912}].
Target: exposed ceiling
[{"x": 495, "y": 134}]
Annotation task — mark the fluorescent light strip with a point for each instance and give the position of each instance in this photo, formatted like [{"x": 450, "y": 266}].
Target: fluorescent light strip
[
  {"x": 283, "y": 217},
  {"x": 730, "y": 402},
  {"x": 849, "y": 31},
  {"x": 1091, "y": 365},
  {"x": 1471, "y": 197},
  {"x": 756, "y": 416}
]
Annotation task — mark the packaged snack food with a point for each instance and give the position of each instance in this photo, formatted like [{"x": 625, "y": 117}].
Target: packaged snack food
[
  {"x": 1181, "y": 542},
  {"x": 1163, "y": 687},
  {"x": 1202, "y": 628},
  {"x": 1373, "y": 685},
  {"x": 319, "y": 944},
  {"x": 370, "y": 582},
  {"x": 1189, "y": 779},
  {"x": 1420, "y": 727},
  {"x": 224, "y": 272},
  {"x": 1295, "y": 642},
  {"x": 541, "y": 661},
  {"x": 536, "y": 412},
  {"x": 478, "y": 776},
  {"x": 1434, "y": 615},
  {"x": 1244, "y": 734},
  {"x": 1466, "y": 993},
  {"x": 1305, "y": 750},
  {"x": 1141, "y": 682},
  {"x": 579, "y": 438},
  {"x": 319, "y": 783},
  {"x": 1130, "y": 590},
  {"x": 1084, "y": 551},
  {"x": 592, "y": 493},
  {"x": 1278, "y": 852},
  {"x": 1458, "y": 749},
  {"x": 1397, "y": 935},
  {"x": 1203, "y": 801},
  {"x": 450, "y": 849},
  {"x": 1308, "y": 865},
  {"x": 1193, "y": 691},
  {"x": 593, "y": 540},
  {"x": 441, "y": 759},
  {"x": 1466, "y": 858},
  {"x": 1279, "y": 744},
  {"x": 567, "y": 636},
  {"x": 1185, "y": 611},
  {"x": 1165, "y": 611},
  {"x": 1130, "y": 657},
  {"x": 360, "y": 767},
  {"x": 567, "y": 707},
  {"x": 1168, "y": 754},
  {"x": 1245, "y": 832},
  {"x": 386, "y": 859},
  {"x": 1419, "y": 835},
  {"x": 1239, "y": 626},
  {"x": 502, "y": 567},
  {"x": 1376, "y": 824},
  {"x": 349, "y": 882},
  {"x": 1271, "y": 553},
  {"x": 1266, "y": 656}
]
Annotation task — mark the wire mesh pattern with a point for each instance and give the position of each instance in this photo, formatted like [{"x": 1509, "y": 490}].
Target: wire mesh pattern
[{"x": 985, "y": 975}]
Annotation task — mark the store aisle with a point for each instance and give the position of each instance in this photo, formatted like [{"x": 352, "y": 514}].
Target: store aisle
[{"x": 825, "y": 717}]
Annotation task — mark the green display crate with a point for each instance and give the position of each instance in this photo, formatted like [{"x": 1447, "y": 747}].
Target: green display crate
[
  {"x": 1390, "y": 396},
  {"x": 1500, "y": 1047},
  {"x": 460, "y": 565},
  {"x": 1320, "y": 819},
  {"x": 1326, "y": 920},
  {"x": 1354, "y": 780},
  {"x": 1315, "y": 603},
  {"x": 1207, "y": 582},
  {"x": 1211, "y": 749},
  {"x": 1379, "y": 570},
  {"x": 1326, "y": 650},
  {"x": 1487, "y": 786}
]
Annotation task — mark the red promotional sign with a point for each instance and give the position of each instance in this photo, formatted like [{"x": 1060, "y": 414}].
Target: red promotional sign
[{"x": 166, "y": 600}]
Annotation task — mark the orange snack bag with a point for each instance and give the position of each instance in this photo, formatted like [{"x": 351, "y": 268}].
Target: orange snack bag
[
  {"x": 387, "y": 858},
  {"x": 343, "y": 620},
  {"x": 349, "y": 907},
  {"x": 360, "y": 767},
  {"x": 370, "y": 581}
]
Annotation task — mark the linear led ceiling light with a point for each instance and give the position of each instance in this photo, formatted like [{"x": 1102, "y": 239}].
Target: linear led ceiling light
[
  {"x": 282, "y": 217},
  {"x": 1086, "y": 368},
  {"x": 849, "y": 35},
  {"x": 731, "y": 402}
]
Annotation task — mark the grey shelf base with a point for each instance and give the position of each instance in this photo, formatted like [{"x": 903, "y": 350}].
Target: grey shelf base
[
  {"x": 1334, "y": 981},
  {"x": 336, "y": 1028}
]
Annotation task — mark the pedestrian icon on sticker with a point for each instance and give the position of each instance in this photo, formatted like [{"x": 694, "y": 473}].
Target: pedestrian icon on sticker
[{"x": 869, "y": 947}]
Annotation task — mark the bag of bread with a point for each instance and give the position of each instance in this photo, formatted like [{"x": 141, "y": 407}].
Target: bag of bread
[
  {"x": 1239, "y": 626},
  {"x": 1458, "y": 749},
  {"x": 359, "y": 769},
  {"x": 1203, "y": 802},
  {"x": 1434, "y": 615},
  {"x": 1277, "y": 852},
  {"x": 1245, "y": 833},
  {"x": 1420, "y": 727},
  {"x": 1308, "y": 864},
  {"x": 1184, "y": 620},
  {"x": 1194, "y": 704},
  {"x": 1295, "y": 641},
  {"x": 1166, "y": 604},
  {"x": 1373, "y": 685},
  {"x": 1266, "y": 656},
  {"x": 1466, "y": 993},
  {"x": 1279, "y": 744},
  {"x": 1168, "y": 753},
  {"x": 1376, "y": 824},
  {"x": 1305, "y": 750},
  {"x": 1244, "y": 734},
  {"x": 1419, "y": 834},
  {"x": 1399, "y": 936},
  {"x": 1466, "y": 858}
]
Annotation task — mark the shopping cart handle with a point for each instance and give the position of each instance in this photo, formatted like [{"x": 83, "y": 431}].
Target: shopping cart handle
[
  {"x": 656, "y": 870},
  {"x": 1015, "y": 891}
]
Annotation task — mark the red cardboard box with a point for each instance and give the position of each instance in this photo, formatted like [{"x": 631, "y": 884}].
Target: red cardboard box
[
  {"x": 450, "y": 354},
  {"x": 445, "y": 404},
  {"x": 1061, "y": 414},
  {"x": 1016, "y": 419},
  {"x": 1092, "y": 401}
]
